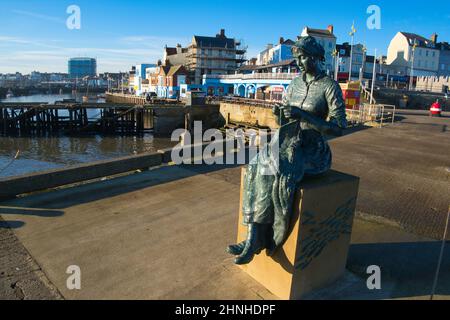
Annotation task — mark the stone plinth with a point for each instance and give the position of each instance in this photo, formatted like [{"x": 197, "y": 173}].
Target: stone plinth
[{"x": 315, "y": 253}]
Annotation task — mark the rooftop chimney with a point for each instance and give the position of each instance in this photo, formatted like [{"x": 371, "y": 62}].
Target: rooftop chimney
[
  {"x": 179, "y": 48},
  {"x": 281, "y": 40},
  {"x": 221, "y": 34},
  {"x": 330, "y": 28},
  {"x": 434, "y": 38}
]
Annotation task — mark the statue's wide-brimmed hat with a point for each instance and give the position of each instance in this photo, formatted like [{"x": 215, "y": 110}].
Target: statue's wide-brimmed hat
[{"x": 309, "y": 46}]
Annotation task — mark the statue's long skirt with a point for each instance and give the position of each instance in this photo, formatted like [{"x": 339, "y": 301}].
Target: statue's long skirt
[{"x": 273, "y": 176}]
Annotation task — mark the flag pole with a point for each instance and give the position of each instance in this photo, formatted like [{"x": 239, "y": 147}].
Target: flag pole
[
  {"x": 373, "y": 76},
  {"x": 351, "y": 51},
  {"x": 337, "y": 66}
]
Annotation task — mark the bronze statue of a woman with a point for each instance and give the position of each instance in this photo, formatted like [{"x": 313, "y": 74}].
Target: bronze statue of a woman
[{"x": 312, "y": 108}]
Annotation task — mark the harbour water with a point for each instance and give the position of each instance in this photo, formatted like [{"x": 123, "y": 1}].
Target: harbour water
[{"x": 39, "y": 153}]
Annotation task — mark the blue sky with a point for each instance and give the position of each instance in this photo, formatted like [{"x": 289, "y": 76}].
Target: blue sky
[{"x": 34, "y": 36}]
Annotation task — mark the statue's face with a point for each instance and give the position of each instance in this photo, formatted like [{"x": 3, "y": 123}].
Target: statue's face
[{"x": 307, "y": 64}]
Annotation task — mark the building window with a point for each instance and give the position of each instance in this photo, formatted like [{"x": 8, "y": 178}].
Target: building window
[{"x": 427, "y": 53}]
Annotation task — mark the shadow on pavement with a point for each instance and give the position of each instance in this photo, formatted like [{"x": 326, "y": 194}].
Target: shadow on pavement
[
  {"x": 71, "y": 196},
  {"x": 31, "y": 212},
  {"x": 407, "y": 269},
  {"x": 11, "y": 224}
]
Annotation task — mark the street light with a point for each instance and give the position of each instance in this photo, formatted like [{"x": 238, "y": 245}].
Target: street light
[
  {"x": 352, "y": 34},
  {"x": 335, "y": 54},
  {"x": 361, "y": 74},
  {"x": 412, "y": 65},
  {"x": 373, "y": 77}
]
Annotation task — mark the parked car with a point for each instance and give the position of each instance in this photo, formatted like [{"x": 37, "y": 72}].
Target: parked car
[{"x": 150, "y": 96}]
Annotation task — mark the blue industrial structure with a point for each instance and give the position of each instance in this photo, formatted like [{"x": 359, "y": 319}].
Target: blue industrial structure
[{"x": 82, "y": 67}]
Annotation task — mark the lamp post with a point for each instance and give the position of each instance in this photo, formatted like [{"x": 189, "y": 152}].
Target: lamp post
[
  {"x": 373, "y": 76},
  {"x": 364, "y": 57},
  {"x": 336, "y": 56},
  {"x": 411, "y": 76},
  {"x": 352, "y": 34}
]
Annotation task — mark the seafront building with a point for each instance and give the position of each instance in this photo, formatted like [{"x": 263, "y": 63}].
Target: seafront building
[
  {"x": 265, "y": 77},
  {"x": 444, "y": 59},
  {"x": 137, "y": 74},
  {"x": 327, "y": 39},
  {"x": 411, "y": 54},
  {"x": 263, "y": 86},
  {"x": 182, "y": 68},
  {"x": 217, "y": 65},
  {"x": 358, "y": 62},
  {"x": 166, "y": 81},
  {"x": 217, "y": 55},
  {"x": 276, "y": 54}
]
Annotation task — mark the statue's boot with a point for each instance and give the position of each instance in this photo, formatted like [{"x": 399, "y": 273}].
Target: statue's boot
[
  {"x": 256, "y": 242},
  {"x": 237, "y": 249}
]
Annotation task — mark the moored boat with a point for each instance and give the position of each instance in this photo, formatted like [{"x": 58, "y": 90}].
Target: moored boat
[{"x": 9, "y": 94}]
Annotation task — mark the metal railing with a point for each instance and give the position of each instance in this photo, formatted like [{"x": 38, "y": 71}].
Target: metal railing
[
  {"x": 367, "y": 95},
  {"x": 239, "y": 100},
  {"x": 255, "y": 76},
  {"x": 379, "y": 114}
]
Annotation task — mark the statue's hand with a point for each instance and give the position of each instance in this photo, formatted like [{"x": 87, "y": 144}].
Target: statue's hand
[{"x": 291, "y": 112}]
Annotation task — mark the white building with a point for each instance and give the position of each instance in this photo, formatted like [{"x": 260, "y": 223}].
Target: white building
[
  {"x": 358, "y": 59},
  {"x": 401, "y": 54},
  {"x": 328, "y": 40},
  {"x": 137, "y": 75}
]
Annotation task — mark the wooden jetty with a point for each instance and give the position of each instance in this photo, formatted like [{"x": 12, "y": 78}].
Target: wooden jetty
[
  {"x": 36, "y": 118},
  {"x": 122, "y": 115}
]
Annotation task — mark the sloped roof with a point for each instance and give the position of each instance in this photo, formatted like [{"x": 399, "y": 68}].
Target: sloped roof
[
  {"x": 164, "y": 70},
  {"x": 289, "y": 42},
  {"x": 214, "y": 42},
  {"x": 443, "y": 46},
  {"x": 319, "y": 32},
  {"x": 174, "y": 69},
  {"x": 170, "y": 51},
  {"x": 421, "y": 41}
]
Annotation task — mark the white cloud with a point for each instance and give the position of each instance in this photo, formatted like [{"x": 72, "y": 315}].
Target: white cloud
[
  {"x": 26, "y": 55},
  {"x": 39, "y": 16}
]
